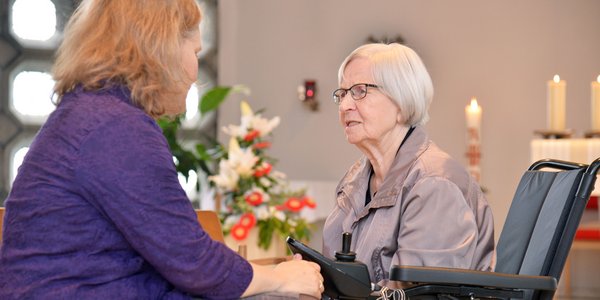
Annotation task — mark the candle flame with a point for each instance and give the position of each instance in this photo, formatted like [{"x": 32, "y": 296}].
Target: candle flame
[
  {"x": 474, "y": 103},
  {"x": 556, "y": 78},
  {"x": 598, "y": 79}
]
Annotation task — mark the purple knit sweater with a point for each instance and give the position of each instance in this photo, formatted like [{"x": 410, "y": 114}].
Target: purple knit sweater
[{"x": 97, "y": 212}]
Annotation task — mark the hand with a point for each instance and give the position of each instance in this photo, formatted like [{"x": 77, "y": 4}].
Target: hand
[
  {"x": 296, "y": 276},
  {"x": 300, "y": 276}
]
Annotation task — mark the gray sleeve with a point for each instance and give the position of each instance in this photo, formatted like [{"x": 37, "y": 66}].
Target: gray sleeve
[{"x": 437, "y": 227}]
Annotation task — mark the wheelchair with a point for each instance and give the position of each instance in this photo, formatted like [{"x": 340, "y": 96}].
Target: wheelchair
[{"x": 531, "y": 251}]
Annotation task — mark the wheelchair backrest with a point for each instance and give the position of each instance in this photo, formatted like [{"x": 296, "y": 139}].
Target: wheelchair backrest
[{"x": 535, "y": 227}]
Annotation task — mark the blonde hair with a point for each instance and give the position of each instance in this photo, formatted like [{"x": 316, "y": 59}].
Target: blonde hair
[
  {"x": 131, "y": 42},
  {"x": 401, "y": 75}
]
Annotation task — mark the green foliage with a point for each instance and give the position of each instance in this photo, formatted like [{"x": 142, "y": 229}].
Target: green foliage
[
  {"x": 213, "y": 98},
  {"x": 188, "y": 160}
]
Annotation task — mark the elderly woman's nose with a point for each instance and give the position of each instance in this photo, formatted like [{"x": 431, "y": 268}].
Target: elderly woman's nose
[{"x": 347, "y": 102}]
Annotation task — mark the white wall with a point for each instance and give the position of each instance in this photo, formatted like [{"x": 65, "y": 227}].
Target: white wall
[{"x": 502, "y": 52}]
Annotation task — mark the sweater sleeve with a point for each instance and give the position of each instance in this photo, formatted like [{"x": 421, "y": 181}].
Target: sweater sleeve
[
  {"x": 438, "y": 228},
  {"x": 126, "y": 171}
]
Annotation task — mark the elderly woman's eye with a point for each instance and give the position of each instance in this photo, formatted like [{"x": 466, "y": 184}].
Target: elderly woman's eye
[
  {"x": 340, "y": 93},
  {"x": 359, "y": 90}
]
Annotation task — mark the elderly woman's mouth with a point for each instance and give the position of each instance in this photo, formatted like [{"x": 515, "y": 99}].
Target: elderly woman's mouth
[{"x": 352, "y": 123}]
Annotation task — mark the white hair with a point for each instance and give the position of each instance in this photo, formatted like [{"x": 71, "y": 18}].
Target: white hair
[{"x": 401, "y": 75}]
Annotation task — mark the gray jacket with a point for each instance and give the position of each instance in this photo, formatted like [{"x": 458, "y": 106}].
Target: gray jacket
[{"x": 427, "y": 212}]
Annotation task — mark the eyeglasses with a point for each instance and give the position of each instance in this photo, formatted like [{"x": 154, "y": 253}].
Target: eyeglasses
[{"x": 357, "y": 91}]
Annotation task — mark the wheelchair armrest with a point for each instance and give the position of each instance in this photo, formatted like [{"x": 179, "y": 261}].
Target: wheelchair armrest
[{"x": 452, "y": 276}]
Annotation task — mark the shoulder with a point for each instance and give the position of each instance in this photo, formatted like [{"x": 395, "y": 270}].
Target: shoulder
[
  {"x": 90, "y": 110},
  {"x": 84, "y": 115},
  {"x": 88, "y": 121},
  {"x": 436, "y": 162},
  {"x": 435, "y": 166}
]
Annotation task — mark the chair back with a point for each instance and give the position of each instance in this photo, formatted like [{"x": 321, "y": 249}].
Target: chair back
[
  {"x": 209, "y": 220},
  {"x": 543, "y": 218}
]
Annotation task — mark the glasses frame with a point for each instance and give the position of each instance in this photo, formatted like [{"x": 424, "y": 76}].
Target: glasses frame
[{"x": 337, "y": 100}]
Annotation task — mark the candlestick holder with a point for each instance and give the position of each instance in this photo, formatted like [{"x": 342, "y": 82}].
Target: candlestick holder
[
  {"x": 473, "y": 155},
  {"x": 592, "y": 134},
  {"x": 555, "y": 134}
]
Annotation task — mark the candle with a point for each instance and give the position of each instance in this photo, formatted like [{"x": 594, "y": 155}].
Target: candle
[
  {"x": 473, "y": 115},
  {"x": 596, "y": 105},
  {"x": 556, "y": 104}
]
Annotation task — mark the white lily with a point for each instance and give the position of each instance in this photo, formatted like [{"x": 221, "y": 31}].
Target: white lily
[
  {"x": 264, "y": 126},
  {"x": 277, "y": 213},
  {"x": 241, "y": 160},
  {"x": 235, "y": 131},
  {"x": 262, "y": 212},
  {"x": 245, "y": 109},
  {"x": 251, "y": 121},
  {"x": 227, "y": 178},
  {"x": 265, "y": 182}
]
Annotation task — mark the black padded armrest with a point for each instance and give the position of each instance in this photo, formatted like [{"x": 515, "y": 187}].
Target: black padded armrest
[{"x": 451, "y": 276}]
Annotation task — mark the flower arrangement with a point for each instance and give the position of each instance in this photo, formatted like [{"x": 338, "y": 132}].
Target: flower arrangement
[{"x": 254, "y": 194}]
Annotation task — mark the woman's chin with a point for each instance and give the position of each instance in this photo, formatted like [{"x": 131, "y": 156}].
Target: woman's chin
[
  {"x": 174, "y": 112},
  {"x": 352, "y": 139},
  {"x": 175, "y": 107}
]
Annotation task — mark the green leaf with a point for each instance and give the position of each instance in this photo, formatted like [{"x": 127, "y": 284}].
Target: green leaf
[
  {"x": 265, "y": 233},
  {"x": 203, "y": 153},
  {"x": 213, "y": 98},
  {"x": 204, "y": 167}
]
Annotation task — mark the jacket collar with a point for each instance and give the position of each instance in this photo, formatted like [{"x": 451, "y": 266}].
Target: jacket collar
[
  {"x": 352, "y": 189},
  {"x": 118, "y": 91}
]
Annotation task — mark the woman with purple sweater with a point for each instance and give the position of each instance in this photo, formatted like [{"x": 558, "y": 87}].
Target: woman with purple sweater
[{"x": 96, "y": 210}]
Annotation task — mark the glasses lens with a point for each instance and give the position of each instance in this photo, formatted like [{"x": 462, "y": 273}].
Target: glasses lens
[
  {"x": 338, "y": 95},
  {"x": 359, "y": 91}
]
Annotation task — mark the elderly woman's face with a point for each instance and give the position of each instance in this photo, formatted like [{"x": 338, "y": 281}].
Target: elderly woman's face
[{"x": 372, "y": 118}]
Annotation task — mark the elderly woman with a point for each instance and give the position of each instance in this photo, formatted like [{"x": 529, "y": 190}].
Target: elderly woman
[
  {"x": 96, "y": 210},
  {"x": 406, "y": 201}
]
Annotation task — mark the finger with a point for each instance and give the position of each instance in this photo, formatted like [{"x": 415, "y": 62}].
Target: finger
[
  {"x": 317, "y": 295},
  {"x": 315, "y": 265},
  {"x": 297, "y": 256},
  {"x": 321, "y": 289},
  {"x": 318, "y": 292}
]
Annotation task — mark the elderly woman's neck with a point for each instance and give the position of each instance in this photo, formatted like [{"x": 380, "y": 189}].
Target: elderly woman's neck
[{"x": 382, "y": 153}]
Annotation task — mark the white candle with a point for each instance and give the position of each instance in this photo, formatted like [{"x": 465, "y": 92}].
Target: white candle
[
  {"x": 556, "y": 104},
  {"x": 473, "y": 113},
  {"x": 596, "y": 104}
]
